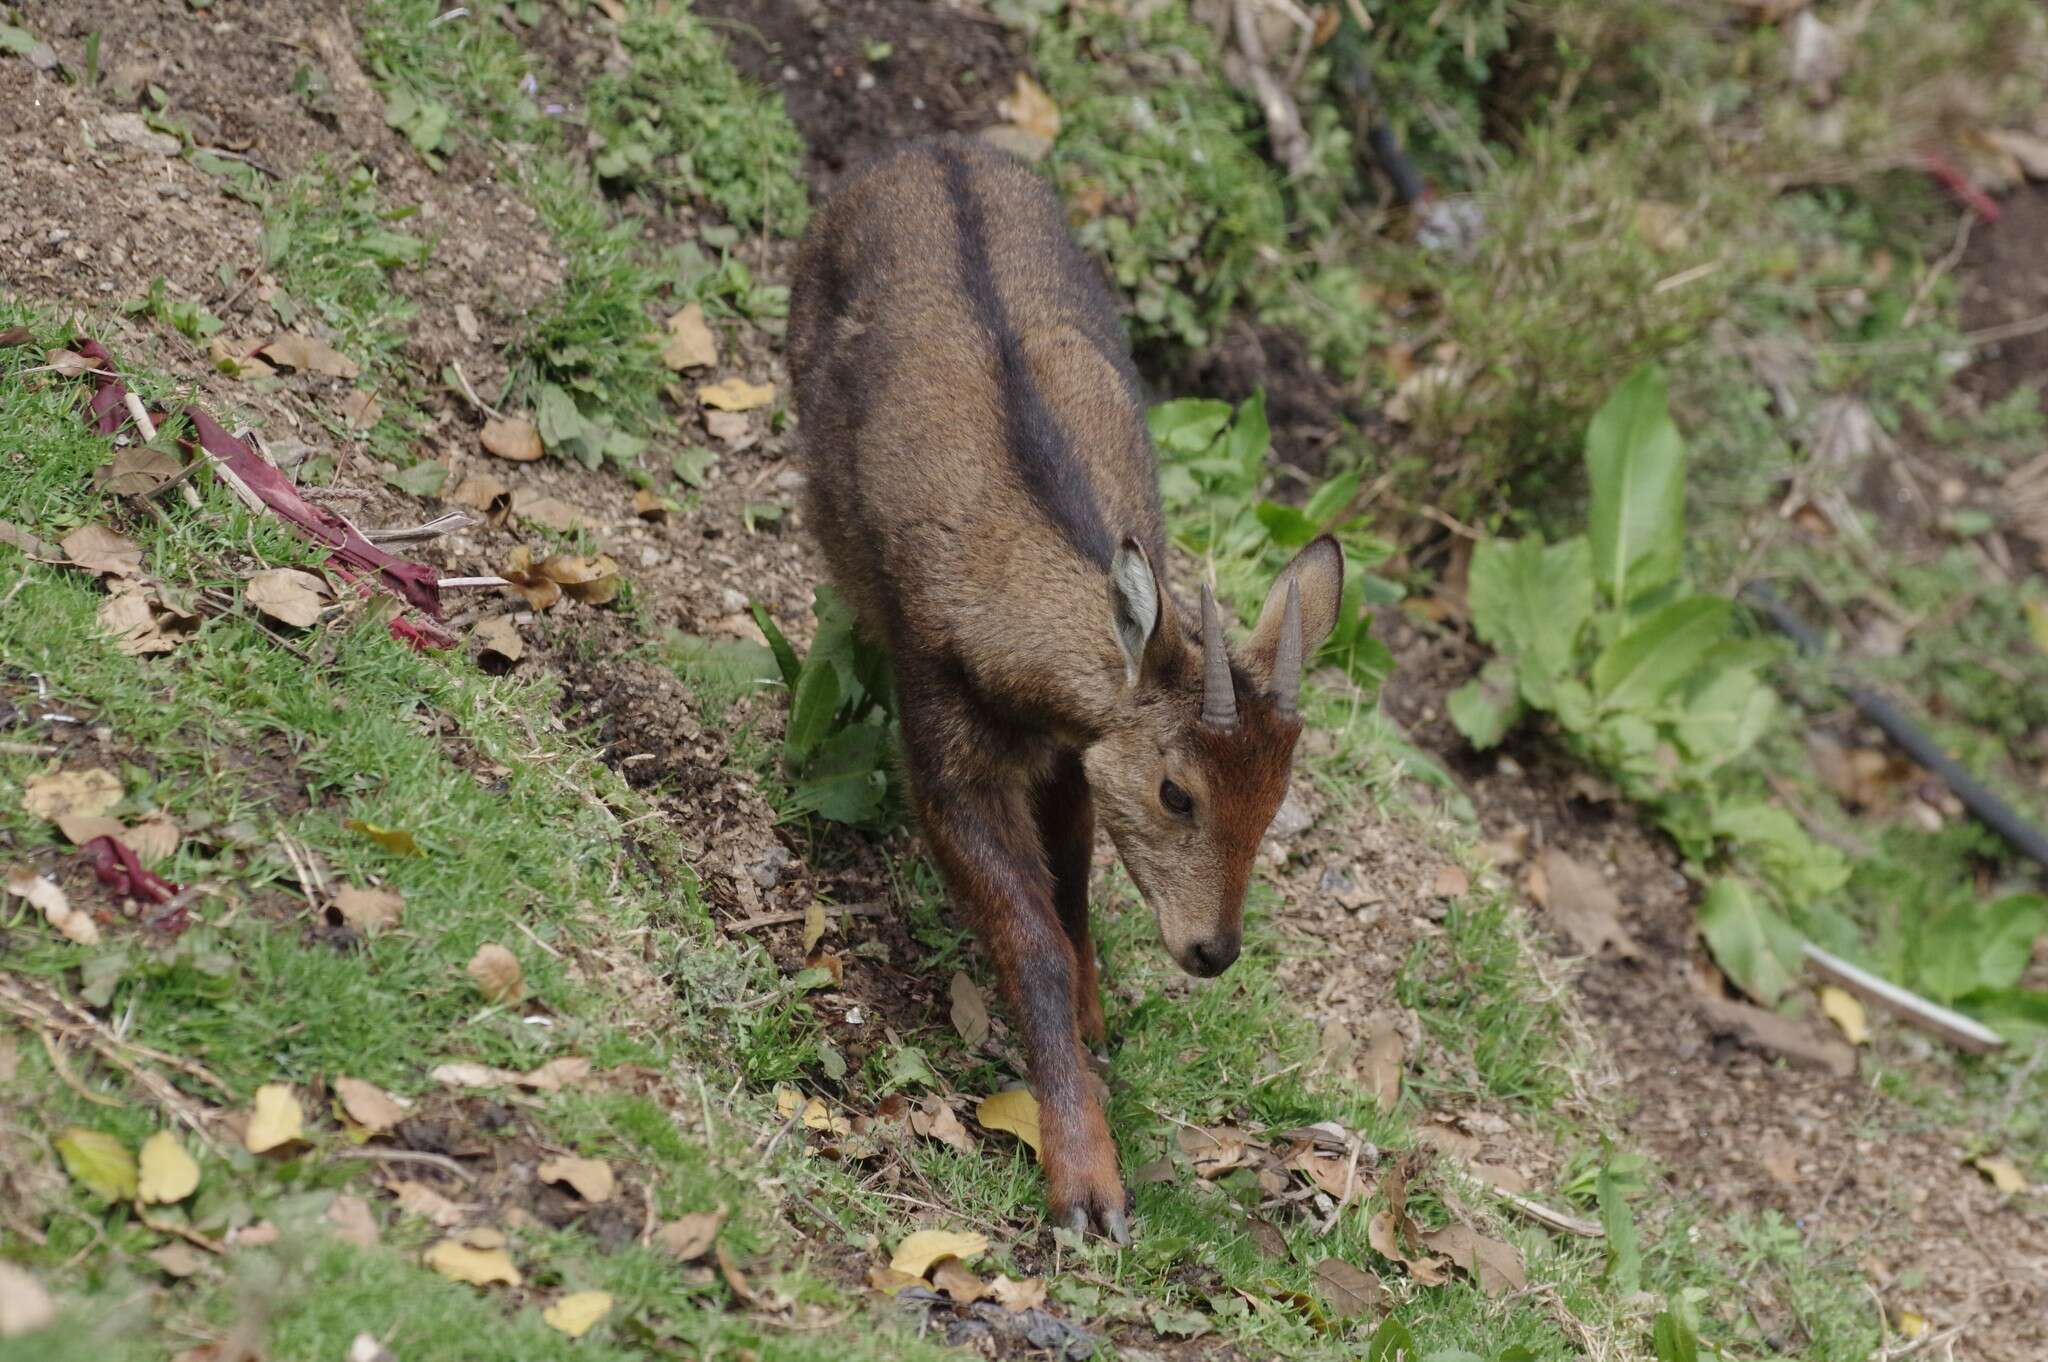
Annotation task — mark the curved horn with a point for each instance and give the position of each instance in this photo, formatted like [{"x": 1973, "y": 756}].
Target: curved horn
[
  {"x": 1219, "y": 700},
  {"x": 1287, "y": 656}
]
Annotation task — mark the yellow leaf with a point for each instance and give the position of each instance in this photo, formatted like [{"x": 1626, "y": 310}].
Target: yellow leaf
[
  {"x": 368, "y": 1105},
  {"x": 736, "y": 394},
  {"x": 98, "y": 1162},
  {"x": 918, "y": 1252},
  {"x": 1031, "y": 108},
  {"x": 510, "y": 438},
  {"x": 1845, "y": 1010},
  {"x": 818, "y": 1116},
  {"x": 814, "y": 926},
  {"x": 1912, "y": 1325},
  {"x": 2004, "y": 1173},
  {"x": 461, "y": 1262},
  {"x": 574, "y": 1314},
  {"x": 787, "y": 1102},
  {"x": 168, "y": 1172},
  {"x": 395, "y": 840},
  {"x": 592, "y": 1178},
  {"x": 690, "y": 344},
  {"x": 59, "y": 794},
  {"x": 275, "y": 1120},
  {"x": 1015, "y": 1111},
  {"x": 2037, "y": 623}
]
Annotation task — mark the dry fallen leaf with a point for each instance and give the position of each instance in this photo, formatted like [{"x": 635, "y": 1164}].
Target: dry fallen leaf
[
  {"x": 168, "y": 1173},
  {"x": 126, "y": 618},
  {"x": 472, "y": 1076},
  {"x": 1015, "y": 1112},
  {"x": 353, "y": 1221},
  {"x": 649, "y": 504},
  {"x": 368, "y": 1105},
  {"x": 511, "y": 438},
  {"x": 1580, "y": 901},
  {"x": 362, "y": 408},
  {"x": 47, "y": 896},
  {"x": 466, "y": 1262},
  {"x": 1380, "y": 1233},
  {"x": 275, "y": 1119},
  {"x": 574, "y": 1314},
  {"x": 1845, "y": 1010},
  {"x": 1027, "y": 1294},
  {"x": 734, "y": 429},
  {"x": 2004, "y": 1173},
  {"x": 556, "y": 1074},
  {"x": 1031, "y": 108},
  {"x": 539, "y": 590},
  {"x": 153, "y": 840},
  {"x": 918, "y": 1252},
  {"x": 690, "y": 344},
  {"x": 136, "y": 471},
  {"x": 418, "y": 1199},
  {"x": 958, "y": 1281},
  {"x": 889, "y": 1281},
  {"x": 551, "y": 514},
  {"x": 369, "y": 910},
  {"x": 498, "y": 642},
  {"x": 100, "y": 550},
  {"x": 237, "y": 358},
  {"x": 11, "y": 533},
  {"x": 1349, "y": 1291},
  {"x": 1384, "y": 1059},
  {"x": 25, "y": 1307},
  {"x": 593, "y": 580},
  {"x": 1451, "y": 883},
  {"x": 1496, "y": 1266},
  {"x": 482, "y": 492},
  {"x": 62, "y": 794},
  {"x": 288, "y": 596},
  {"x": 592, "y": 1178},
  {"x": 690, "y": 1238},
  {"x": 178, "y": 1260},
  {"x": 310, "y": 354},
  {"x": 935, "y": 1120},
  {"x": 814, "y": 926},
  {"x": 68, "y": 363},
  {"x": 970, "y": 1010},
  {"x": 742, "y": 1290},
  {"x": 496, "y": 973},
  {"x": 736, "y": 394}
]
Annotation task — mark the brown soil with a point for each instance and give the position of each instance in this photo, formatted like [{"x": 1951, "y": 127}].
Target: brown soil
[
  {"x": 1742, "y": 1130},
  {"x": 2004, "y": 276}
]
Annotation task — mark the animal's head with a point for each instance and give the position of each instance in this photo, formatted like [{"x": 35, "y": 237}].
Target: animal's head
[{"x": 1188, "y": 778}]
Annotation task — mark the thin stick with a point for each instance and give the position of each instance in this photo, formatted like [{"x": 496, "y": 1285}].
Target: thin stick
[
  {"x": 140, "y": 415},
  {"x": 1953, "y": 1027},
  {"x": 1544, "y": 1215},
  {"x": 450, "y": 583},
  {"x": 470, "y": 393},
  {"x": 370, "y": 1154},
  {"x": 748, "y": 924},
  {"x": 432, "y": 529}
]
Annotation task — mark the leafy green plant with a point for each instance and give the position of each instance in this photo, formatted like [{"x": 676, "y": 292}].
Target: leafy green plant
[
  {"x": 839, "y": 743},
  {"x": 1212, "y": 471},
  {"x": 189, "y": 319},
  {"x": 681, "y": 121},
  {"x": 1649, "y": 679}
]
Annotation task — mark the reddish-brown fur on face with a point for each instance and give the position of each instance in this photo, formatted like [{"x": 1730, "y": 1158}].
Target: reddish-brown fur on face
[{"x": 982, "y": 483}]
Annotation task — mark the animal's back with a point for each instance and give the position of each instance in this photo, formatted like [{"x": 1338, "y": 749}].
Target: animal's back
[{"x": 972, "y": 427}]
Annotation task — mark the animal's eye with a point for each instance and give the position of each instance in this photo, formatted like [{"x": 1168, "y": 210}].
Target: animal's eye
[{"x": 1176, "y": 799}]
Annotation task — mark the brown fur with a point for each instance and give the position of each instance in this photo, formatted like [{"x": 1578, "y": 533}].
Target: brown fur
[{"x": 984, "y": 489}]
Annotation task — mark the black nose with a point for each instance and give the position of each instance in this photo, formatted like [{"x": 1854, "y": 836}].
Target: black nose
[{"x": 1211, "y": 958}]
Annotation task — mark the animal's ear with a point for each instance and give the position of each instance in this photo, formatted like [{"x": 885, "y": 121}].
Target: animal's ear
[
  {"x": 1316, "y": 580},
  {"x": 1139, "y": 612}
]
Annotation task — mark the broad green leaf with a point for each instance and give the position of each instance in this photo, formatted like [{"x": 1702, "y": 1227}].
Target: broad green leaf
[
  {"x": 1672, "y": 1341},
  {"x": 1752, "y": 945},
  {"x": 1189, "y": 425},
  {"x": 1721, "y": 717},
  {"x": 814, "y": 703},
  {"x": 2009, "y": 1011},
  {"x": 1618, "y": 1177},
  {"x": 1285, "y": 526},
  {"x": 1531, "y": 601},
  {"x": 908, "y": 1068},
  {"x": 1799, "y": 867},
  {"x": 98, "y": 1162},
  {"x": 1486, "y": 707},
  {"x": 1645, "y": 664},
  {"x": 847, "y": 781},
  {"x": 785, "y": 656},
  {"x": 1249, "y": 434},
  {"x": 693, "y": 464},
  {"x": 1391, "y": 1342},
  {"x": 1635, "y": 462},
  {"x": 1331, "y": 498},
  {"x": 1978, "y": 946}
]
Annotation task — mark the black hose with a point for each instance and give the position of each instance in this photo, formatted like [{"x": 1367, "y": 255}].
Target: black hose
[{"x": 1991, "y": 810}]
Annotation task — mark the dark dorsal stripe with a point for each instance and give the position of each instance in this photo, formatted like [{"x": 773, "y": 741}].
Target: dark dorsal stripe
[{"x": 1039, "y": 447}]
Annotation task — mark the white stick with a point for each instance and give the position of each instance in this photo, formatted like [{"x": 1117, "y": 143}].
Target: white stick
[
  {"x": 141, "y": 415},
  {"x": 1952, "y": 1027},
  {"x": 447, "y": 583}
]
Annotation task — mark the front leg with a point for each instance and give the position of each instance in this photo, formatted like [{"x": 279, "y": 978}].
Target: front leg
[
  {"x": 985, "y": 840},
  {"x": 1066, "y": 824}
]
